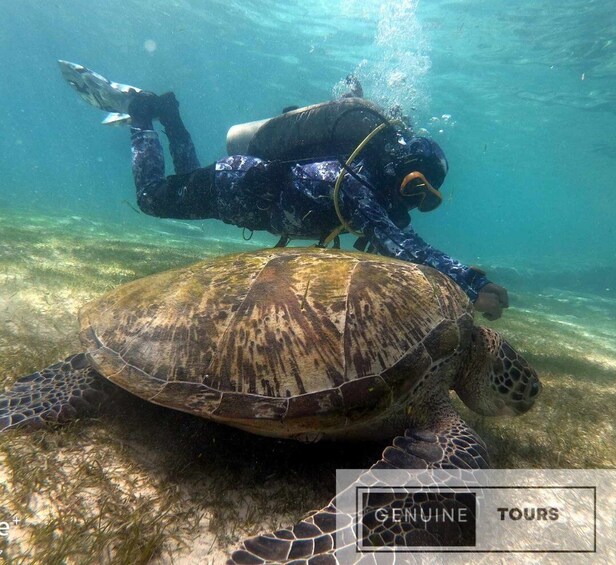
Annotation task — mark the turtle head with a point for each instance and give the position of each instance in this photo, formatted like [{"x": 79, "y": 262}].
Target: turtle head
[{"x": 496, "y": 381}]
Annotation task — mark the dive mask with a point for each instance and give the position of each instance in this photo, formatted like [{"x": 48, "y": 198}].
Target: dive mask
[
  {"x": 414, "y": 162},
  {"x": 419, "y": 193}
]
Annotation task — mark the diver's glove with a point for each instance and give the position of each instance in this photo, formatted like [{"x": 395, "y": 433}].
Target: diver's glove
[{"x": 491, "y": 300}]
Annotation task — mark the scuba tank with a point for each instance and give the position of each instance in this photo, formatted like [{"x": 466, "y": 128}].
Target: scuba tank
[{"x": 321, "y": 130}]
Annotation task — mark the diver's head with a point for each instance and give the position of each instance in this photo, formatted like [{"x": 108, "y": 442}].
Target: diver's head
[{"x": 419, "y": 167}]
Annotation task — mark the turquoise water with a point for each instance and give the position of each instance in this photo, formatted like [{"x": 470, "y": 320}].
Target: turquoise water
[
  {"x": 522, "y": 97},
  {"x": 529, "y": 87}
]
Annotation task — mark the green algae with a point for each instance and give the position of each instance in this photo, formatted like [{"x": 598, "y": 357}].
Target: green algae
[{"x": 141, "y": 484}]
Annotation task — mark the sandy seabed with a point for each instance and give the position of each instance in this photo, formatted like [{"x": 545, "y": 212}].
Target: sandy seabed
[{"x": 142, "y": 484}]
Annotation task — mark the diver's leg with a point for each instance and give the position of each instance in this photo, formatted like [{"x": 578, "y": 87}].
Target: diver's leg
[
  {"x": 148, "y": 164},
  {"x": 184, "y": 196},
  {"x": 148, "y": 161},
  {"x": 188, "y": 194},
  {"x": 181, "y": 146},
  {"x": 146, "y": 106}
]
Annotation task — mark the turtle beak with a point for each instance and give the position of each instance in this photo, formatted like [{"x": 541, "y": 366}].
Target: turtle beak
[
  {"x": 532, "y": 391},
  {"x": 519, "y": 406}
]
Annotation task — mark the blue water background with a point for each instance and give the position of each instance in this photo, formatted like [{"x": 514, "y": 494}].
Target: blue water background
[{"x": 521, "y": 95}]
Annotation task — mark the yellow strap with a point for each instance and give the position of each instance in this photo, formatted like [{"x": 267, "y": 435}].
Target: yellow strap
[
  {"x": 335, "y": 233},
  {"x": 344, "y": 225}
]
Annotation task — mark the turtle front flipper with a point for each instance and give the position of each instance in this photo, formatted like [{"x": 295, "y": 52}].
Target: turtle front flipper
[
  {"x": 58, "y": 393},
  {"x": 447, "y": 443}
]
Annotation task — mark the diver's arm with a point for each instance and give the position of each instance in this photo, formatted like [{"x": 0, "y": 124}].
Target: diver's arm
[{"x": 370, "y": 218}]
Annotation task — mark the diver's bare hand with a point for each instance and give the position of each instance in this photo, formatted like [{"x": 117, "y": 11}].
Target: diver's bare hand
[{"x": 491, "y": 301}]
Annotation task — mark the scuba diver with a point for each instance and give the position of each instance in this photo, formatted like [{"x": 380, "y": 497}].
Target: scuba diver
[{"x": 310, "y": 173}]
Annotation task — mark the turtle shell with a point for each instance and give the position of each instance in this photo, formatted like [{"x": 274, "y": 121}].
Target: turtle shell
[{"x": 283, "y": 341}]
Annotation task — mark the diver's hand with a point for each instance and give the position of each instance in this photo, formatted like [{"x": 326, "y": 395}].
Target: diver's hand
[{"x": 491, "y": 301}]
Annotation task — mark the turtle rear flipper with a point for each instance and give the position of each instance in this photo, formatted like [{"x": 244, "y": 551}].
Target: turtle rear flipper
[{"x": 58, "y": 393}]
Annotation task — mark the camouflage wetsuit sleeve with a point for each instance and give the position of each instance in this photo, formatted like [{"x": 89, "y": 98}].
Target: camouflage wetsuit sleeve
[
  {"x": 370, "y": 218},
  {"x": 368, "y": 215}
]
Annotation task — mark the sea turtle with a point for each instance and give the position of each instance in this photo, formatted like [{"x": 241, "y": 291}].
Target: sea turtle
[{"x": 295, "y": 343}]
